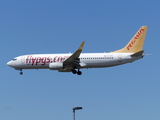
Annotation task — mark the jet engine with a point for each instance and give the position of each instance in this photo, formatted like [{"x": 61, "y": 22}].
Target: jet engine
[{"x": 56, "y": 66}]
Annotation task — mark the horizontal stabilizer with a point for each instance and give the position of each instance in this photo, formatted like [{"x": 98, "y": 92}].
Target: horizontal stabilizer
[{"x": 137, "y": 54}]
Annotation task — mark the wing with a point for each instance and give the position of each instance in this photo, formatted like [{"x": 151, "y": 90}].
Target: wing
[{"x": 73, "y": 61}]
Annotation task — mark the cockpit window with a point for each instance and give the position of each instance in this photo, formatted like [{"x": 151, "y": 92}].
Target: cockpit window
[{"x": 14, "y": 59}]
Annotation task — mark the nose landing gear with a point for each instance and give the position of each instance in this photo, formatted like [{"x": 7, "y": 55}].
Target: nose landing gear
[{"x": 21, "y": 73}]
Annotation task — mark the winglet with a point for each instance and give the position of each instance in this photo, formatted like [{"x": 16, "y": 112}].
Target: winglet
[
  {"x": 81, "y": 46},
  {"x": 76, "y": 54},
  {"x": 136, "y": 43}
]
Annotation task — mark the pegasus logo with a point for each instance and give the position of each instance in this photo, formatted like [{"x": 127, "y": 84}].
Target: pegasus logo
[{"x": 135, "y": 38}]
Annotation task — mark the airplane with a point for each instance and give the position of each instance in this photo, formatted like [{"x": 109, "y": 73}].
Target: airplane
[{"x": 76, "y": 61}]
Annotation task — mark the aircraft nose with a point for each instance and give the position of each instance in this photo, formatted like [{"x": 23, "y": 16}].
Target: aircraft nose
[{"x": 9, "y": 63}]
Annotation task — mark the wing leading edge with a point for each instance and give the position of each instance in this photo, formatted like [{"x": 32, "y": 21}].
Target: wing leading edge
[{"x": 73, "y": 61}]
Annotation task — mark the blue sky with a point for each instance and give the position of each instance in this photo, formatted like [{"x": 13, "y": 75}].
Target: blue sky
[{"x": 130, "y": 91}]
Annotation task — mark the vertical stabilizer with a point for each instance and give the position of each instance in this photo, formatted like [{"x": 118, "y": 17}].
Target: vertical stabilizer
[{"x": 136, "y": 43}]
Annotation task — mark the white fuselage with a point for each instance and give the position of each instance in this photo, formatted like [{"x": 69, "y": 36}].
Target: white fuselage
[
  {"x": 87, "y": 60},
  {"x": 73, "y": 62}
]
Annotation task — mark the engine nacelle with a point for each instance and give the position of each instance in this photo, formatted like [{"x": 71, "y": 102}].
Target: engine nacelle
[{"x": 56, "y": 66}]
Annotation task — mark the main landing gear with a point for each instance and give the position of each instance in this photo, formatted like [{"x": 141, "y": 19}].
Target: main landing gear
[{"x": 76, "y": 72}]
